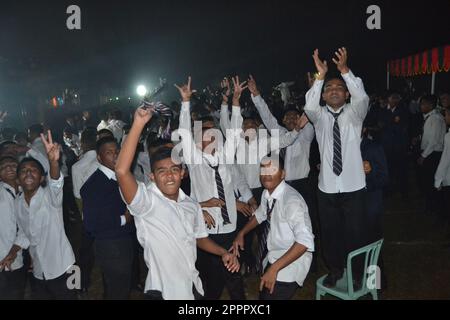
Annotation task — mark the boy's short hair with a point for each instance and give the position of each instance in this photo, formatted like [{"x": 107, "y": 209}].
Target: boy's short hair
[
  {"x": 160, "y": 154},
  {"x": 31, "y": 159},
  {"x": 104, "y": 141}
]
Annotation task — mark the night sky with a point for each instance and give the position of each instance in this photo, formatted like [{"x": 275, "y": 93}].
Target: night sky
[{"x": 124, "y": 43}]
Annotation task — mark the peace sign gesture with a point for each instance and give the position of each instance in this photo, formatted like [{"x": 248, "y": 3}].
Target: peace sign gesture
[
  {"x": 185, "y": 90},
  {"x": 51, "y": 147}
]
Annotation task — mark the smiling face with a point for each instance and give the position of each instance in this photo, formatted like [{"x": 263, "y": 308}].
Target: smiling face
[
  {"x": 30, "y": 176},
  {"x": 335, "y": 93},
  {"x": 167, "y": 175}
]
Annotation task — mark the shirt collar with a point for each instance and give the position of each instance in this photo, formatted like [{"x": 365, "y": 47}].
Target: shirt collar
[
  {"x": 333, "y": 111},
  {"x": 276, "y": 194},
  {"x": 181, "y": 195},
  {"x": 108, "y": 172},
  {"x": 7, "y": 186},
  {"x": 426, "y": 116},
  {"x": 90, "y": 154}
]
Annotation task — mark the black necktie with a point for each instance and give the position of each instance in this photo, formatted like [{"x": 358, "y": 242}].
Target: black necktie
[
  {"x": 221, "y": 193},
  {"x": 337, "y": 150},
  {"x": 12, "y": 194},
  {"x": 262, "y": 246}
]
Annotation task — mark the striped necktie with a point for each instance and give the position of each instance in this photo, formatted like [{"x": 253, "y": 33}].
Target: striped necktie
[
  {"x": 221, "y": 193},
  {"x": 262, "y": 246},
  {"x": 337, "y": 149}
]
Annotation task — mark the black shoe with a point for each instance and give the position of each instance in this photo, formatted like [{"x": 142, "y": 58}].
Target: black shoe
[{"x": 331, "y": 279}]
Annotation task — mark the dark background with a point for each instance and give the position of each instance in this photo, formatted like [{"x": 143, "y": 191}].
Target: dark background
[{"x": 124, "y": 43}]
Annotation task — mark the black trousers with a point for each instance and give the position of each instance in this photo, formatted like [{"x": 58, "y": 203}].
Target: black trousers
[
  {"x": 426, "y": 180},
  {"x": 281, "y": 291},
  {"x": 343, "y": 227},
  {"x": 247, "y": 255},
  {"x": 115, "y": 258},
  {"x": 86, "y": 258},
  {"x": 215, "y": 276},
  {"x": 55, "y": 289},
  {"x": 12, "y": 284},
  {"x": 157, "y": 295},
  {"x": 374, "y": 211}
]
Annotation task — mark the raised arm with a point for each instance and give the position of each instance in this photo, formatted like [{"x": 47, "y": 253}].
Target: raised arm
[
  {"x": 127, "y": 181},
  {"x": 225, "y": 122},
  {"x": 267, "y": 117},
  {"x": 233, "y": 134},
  {"x": 312, "y": 105},
  {"x": 190, "y": 152},
  {"x": 359, "y": 101},
  {"x": 53, "y": 154}
]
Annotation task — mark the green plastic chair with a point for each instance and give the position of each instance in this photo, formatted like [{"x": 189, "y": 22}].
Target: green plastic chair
[{"x": 344, "y": 286}]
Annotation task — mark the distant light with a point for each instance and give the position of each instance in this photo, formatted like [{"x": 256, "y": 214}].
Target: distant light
[
  {"x": 117, "y": 98},
  {"x": 110, "y": 99},
  {"x": 141, "y": 90},
  {"x": 76, "y": 96},
  {"x": 129, "y": 98}
]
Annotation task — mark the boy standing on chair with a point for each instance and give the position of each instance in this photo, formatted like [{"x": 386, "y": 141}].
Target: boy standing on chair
[
  {"x": 287, "y": 242},
  {"x": 342, "y": 181}
]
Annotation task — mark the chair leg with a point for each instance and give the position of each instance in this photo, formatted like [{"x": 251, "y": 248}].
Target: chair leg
[
  {"x": 374, "y": 294},
  {"x": 318, "y": 294}
]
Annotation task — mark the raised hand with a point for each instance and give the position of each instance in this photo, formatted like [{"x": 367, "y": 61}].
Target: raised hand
[
  {"x": 341, "y": 61},
  {"x": 52, "y": 148},
  {"x": 225, "y": 84},
  {"x": 252, "y": 86},
  {"x": 238, "y": 89},
  {"x": 143, "y": 115},
  {"x": 301, "y": 122},
  {"x": 186, "y": 91},
  {"x": 321, "y": 66}
]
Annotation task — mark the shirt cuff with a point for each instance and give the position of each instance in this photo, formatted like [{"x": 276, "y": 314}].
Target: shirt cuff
[
  {"x": 123, "y": 221},
  {"x": 185, "y": 105}
]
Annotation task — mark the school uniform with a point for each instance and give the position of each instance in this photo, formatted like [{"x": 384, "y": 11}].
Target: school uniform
[
  {"x": 431, "y": 145},
  {"x": 442, "y": 177},
  {"x": 288, "y": 222},
  {"x": 43, "y": 234},
  {"x": 12, "y": 281},
  {"x": 168, "y": 231},
  {"x": 104, "y": 221},
  {"x": 81, "y": 171},
  {"x": 342, "y": 180},
  {"x": 210, "y": 178}
]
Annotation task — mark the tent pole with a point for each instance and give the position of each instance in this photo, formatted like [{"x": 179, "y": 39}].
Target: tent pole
[{"x": 433, "y": 82}]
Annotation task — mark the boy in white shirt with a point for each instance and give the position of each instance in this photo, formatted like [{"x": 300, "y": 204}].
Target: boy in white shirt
[
  {"x": 287, "y": 241},
  {"x": 169, "y": 224}
]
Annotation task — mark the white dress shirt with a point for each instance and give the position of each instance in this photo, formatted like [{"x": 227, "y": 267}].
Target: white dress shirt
[
  {"x": 250, "y": 153},
  {"x": 350, "y": 122},
  {"x": 82, "y": 170},
  {"x": 296, "y": 162},
  {"x": 433, "y": 133},
  {"x": 43, "y": 225},
  {"x": 203, "y": 182},
  {"x": 242, "y": 190},
  {"x": 8, "y": 225},
  {"x": 442, "y": 176},
  {"x": 168, "y": 231},
  {"x": 289, "y": 224}
]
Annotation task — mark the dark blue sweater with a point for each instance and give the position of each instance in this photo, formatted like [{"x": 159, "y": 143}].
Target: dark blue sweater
[{"x": 102, "y": 208}]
